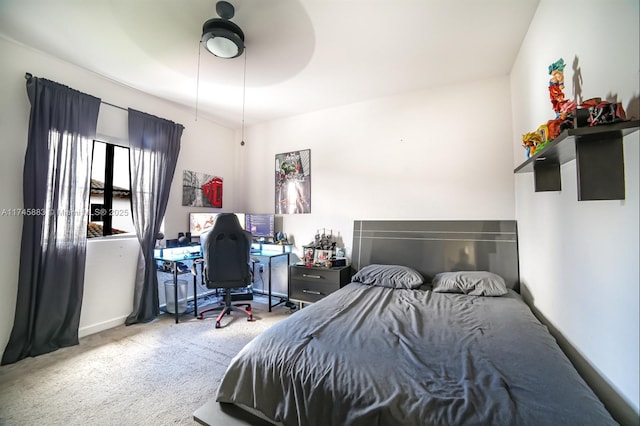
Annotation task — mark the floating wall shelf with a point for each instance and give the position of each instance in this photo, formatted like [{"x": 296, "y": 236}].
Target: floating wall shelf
[{"x": 599, "y": 159}]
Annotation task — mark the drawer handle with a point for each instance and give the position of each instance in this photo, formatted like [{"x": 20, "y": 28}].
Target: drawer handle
[
  {"x": 312, "y": 276},
  {"x": 317, "y": 293}
]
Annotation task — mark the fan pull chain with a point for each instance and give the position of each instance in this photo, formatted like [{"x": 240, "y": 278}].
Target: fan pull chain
[
  {"x": 244, "y": 90},
  {"x": 198, "y": 80}
]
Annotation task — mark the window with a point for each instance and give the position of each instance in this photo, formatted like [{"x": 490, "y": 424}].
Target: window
[{"x": 110, "y": 199}]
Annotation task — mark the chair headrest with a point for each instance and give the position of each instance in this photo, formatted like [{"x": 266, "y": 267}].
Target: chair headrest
[{"x": 225, "y": 222}]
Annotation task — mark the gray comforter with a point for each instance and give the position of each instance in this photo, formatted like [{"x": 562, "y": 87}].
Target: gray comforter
[{"x": 370, "y": 355}]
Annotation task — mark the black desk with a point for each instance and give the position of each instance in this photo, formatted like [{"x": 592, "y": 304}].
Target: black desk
[
  {"x": 175, "y": 255},
  {"x": 172, "y": 257},
  {"x": 272, "y": 255}
]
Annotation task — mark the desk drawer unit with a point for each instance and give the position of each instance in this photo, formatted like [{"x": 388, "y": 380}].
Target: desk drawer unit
[{"x": 310, "y": 284}]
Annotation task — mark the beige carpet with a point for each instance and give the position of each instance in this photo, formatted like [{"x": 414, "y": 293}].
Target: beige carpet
[{"x": 147, "y": 374}]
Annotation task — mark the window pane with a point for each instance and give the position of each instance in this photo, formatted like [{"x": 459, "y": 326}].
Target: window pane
[
  {"x": 122, "y": 221},
  {"x": 96, "y": 198},
  {"x": 121, "y": 168},
  {"x": 120, "y": 200},
  {"x": 97, "y": 167}
]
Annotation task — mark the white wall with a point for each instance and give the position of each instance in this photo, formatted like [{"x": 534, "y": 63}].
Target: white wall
[
  {"x": 108, "y": 285},
  {"x": 579, "y": 260},
  {"x": 110, "y": 271},
  {"x": 433, "y": 154}
]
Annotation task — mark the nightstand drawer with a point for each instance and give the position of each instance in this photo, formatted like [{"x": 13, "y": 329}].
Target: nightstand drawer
[
  {"x": 309, "y": 291},
  {"x": 312, "y": 284},
  {"x": 304, "y": 273}
]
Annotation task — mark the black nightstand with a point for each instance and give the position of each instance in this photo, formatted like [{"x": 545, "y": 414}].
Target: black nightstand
[{"x": 310, "y": 284}]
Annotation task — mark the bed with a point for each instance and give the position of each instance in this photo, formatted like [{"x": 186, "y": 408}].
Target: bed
[{"x": 431, "y": 330}]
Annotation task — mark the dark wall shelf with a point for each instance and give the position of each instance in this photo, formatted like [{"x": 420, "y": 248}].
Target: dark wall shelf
[{"x": 598, "y": 152}]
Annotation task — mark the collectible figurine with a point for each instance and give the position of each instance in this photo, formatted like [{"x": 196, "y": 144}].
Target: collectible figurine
[
  {"x": 530, "y": 141},
  {"x": 604, "y": 112},
  {"x": 563, "y": 108},
  {"x": 556, "y": 85}
]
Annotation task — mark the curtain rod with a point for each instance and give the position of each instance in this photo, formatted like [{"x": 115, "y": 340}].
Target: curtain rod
[
  {"x": 29, "y": 76},
  {"x": 113, "y": 105}
]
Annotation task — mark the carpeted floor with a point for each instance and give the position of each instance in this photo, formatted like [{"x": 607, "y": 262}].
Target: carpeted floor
[{"x": 147, "y": 374}]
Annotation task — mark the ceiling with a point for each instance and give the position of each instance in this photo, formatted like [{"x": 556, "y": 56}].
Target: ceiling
[{"x": 301, "y": 55}]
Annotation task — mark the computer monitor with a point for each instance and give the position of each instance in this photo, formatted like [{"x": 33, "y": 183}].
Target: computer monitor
[
  {"x": 200, "y": 222},
  {"x": 260, "y": 225}
]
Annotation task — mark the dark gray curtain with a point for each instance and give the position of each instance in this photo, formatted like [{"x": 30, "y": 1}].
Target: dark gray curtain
[
  {"x": 57, "y": 167},
  {"x": 154, "y": 145}
]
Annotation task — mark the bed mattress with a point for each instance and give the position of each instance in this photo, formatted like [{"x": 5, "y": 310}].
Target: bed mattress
[{"x": 369, "y": 355}]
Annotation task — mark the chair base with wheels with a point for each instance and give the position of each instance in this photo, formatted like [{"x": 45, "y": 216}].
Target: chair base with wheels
[{"x": 227, "y": 308}]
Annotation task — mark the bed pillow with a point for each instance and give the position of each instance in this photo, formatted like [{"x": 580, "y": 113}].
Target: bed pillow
[
  {"x": 474, "y": 283},
  {"x": 392, "y": 276}
]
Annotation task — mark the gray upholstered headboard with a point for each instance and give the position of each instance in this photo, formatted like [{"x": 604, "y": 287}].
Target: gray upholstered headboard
[{"x": 432, "y": 246}]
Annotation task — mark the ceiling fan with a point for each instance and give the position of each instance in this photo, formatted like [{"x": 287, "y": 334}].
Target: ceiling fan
[{"x": 222, "y": 37}]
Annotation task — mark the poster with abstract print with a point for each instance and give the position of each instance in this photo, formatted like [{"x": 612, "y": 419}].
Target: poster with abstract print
[
  {"x": 293, "y": 182},
  {"x": 201, "y": 190}
]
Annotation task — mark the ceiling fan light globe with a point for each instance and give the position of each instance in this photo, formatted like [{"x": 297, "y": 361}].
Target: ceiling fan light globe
[{"x": 222, "y": 47}]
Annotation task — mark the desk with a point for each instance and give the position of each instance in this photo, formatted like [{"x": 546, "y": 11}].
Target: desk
[
  {"x": 175, "y": 255},
  {"x": 172, "y": 257},
  {"x": 272, "y": 255}
]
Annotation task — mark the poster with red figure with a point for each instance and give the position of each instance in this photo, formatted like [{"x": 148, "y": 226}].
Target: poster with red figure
[{"x": 293, "y": 182}]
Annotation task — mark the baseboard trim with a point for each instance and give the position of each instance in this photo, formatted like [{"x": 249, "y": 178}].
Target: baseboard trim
[{"x": 101, "y": 326}]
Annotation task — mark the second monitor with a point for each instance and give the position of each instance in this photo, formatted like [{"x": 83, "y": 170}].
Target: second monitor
[{"x": 260, "y": 225}]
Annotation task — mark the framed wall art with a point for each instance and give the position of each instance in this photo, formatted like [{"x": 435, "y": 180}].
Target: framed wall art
[
  {"x": 201, "y": 190},
  {"x": 293, "y": 182},
  {"x": 308, "y": 255},
  {"x": 322, "y": 257}
]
